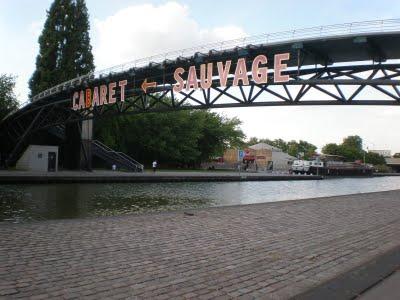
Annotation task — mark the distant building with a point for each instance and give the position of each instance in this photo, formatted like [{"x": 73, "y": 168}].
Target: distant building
[
  {"x": 384, "y": 153},
  {"x": 260, "y": 146},
  {"x": 279, "y": 161},
  {"x": 394, "y": 163},
  {"x": 249, "y": 158},
  {"x": 39, "y": 158},
  {"x": 260, "y": 157}
]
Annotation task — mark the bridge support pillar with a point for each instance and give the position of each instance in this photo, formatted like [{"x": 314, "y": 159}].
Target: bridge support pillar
[{"x": 86, "y": 145}]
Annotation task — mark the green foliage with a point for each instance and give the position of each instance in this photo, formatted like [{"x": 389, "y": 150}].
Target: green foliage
[
  {"x": 281, "y": 144},
  {"x": 65, "y": 50},
  {"x": 353, "y": 142},
  {"x": 301, "y": 148},
  {"x": 374, "y": 158},
  {"x": 8, "y": 101},
  {"x": 294, "y": 148},
  {"x": 185, "y": 137},
  {"x": 383, "y": 168},
  {"x": 78, "y": 58},
  {"x": 253, "y": 141},
  {"x": 351, "y": 153},
  {"x": 332, "y": 149},
  {"x": 351, "y": 150}
]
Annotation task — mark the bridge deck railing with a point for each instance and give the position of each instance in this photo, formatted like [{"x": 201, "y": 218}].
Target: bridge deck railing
[{"x": 368, "y": 27}]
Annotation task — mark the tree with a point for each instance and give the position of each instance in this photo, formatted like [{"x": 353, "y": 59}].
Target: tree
[
  {"x": 78, "y": 58},
  {"x": 351, "y": 153},
  {"x": 351, "y": 150},
  {"x": 185, "y": 137},
  {"x": 293, "y": 147},
  {"x": 65, "y": 50},
  {"x": 217, "y": 134},
  {"x": 331, "y": 149},
  {"x": 303, "y": 148},
  {"x": 8, "y": 101},
  {"x": 353, "y": 142},
  {"x": 252, "y": 141},
  {"x": 281, "y": 144},
  {"x": 374, "y": 158}
]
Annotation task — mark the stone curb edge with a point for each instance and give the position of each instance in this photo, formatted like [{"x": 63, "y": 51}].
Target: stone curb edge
[
  {"x": 351, "y": 284},
  {"x": 148, "y": 179}
]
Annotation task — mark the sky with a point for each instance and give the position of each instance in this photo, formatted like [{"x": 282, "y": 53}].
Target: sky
[{"x": 125, "y": 30}]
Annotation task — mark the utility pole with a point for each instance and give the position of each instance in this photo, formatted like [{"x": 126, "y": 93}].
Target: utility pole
[{"x": 364, "y": 154}]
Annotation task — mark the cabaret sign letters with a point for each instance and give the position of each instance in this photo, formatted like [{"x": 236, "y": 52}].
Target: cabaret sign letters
[{"x": 193, "y": 78}]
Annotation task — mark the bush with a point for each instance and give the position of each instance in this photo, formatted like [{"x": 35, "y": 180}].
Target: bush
[{"x": 383, "y": 169}]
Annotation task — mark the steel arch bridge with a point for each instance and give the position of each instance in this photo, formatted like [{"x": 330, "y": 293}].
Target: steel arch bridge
[{"x": 347, "y": 64}]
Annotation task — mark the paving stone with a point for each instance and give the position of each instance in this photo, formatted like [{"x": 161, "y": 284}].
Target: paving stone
[
  {"x": 260, "y": 251},
  {"x": 8, "y": 291}
]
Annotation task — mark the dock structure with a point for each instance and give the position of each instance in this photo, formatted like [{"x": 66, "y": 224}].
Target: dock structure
[
  {"x": 322, "y": 248},
  {"x": 159, "y": 176}
]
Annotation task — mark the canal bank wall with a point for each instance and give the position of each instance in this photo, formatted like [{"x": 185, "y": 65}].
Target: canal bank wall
[
  {"x": 323, "y": 248},
  {"x": 160, "y": 176}
]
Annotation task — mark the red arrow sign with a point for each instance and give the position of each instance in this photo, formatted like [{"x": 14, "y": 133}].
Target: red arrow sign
[{"x": 146, "y": 85}]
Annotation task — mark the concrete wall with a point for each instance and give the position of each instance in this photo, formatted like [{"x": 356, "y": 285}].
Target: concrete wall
[
  {"x": 86, "y": 150},
  {"x": 87, "y": 130},
  {"x": 35, "y": 158},
  {"x": 264, "y": 154},
  {"x": 281, "y": 161}
]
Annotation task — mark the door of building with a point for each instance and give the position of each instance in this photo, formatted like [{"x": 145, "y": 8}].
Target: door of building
[{"x": 51, "y": 166}]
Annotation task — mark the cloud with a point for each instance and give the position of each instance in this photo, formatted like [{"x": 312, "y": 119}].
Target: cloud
[
  {"x": 36, "y": 27},
  {"x": 25, "y": 70},
  {"x": 18, "y": 59},
  {"x": 140, "y": 31},
  {"x": 322, "y": 124}
]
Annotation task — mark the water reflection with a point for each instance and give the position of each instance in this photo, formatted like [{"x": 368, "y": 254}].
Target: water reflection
[{"x": 21, "y": 203}]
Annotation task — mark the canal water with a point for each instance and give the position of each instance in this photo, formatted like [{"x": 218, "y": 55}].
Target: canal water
[{"x": 24, "y": 203}]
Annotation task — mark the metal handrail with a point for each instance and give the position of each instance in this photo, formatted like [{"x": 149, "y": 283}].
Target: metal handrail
[
  {"x": 115, "y": 156},
  {"x": 375, "y": 26},
  {"x": 121, "y": 155},
  {"x": 135, "y": 162}
]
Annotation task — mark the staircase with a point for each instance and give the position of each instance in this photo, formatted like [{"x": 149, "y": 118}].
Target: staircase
[
  {"x": 58, "y": 131},
  {"x": 121, "y": 160}
]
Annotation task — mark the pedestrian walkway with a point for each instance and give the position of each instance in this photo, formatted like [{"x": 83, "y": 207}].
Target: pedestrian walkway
[
  {"x": 159, "y": 176},
  {"x": 267, "y": 251}
]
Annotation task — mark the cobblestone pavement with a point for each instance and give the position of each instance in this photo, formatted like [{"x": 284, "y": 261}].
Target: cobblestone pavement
[{"x": 271, "y": 250}]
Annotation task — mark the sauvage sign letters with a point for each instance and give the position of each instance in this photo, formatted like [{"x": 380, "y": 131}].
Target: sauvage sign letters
[{"x": 191, "y": 79}]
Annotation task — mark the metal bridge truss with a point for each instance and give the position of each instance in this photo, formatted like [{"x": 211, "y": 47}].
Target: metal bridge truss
[
  {"x": 374, "y": 84},
  {"x": 337, "y": 30}
]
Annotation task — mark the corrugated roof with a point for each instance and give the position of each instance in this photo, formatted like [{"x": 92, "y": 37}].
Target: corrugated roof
[
  {"x": 392, "y": 161},
  {"x": 260, "y": 146}
]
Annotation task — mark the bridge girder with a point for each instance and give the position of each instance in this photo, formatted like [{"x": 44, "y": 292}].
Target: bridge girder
[
  {"x": 330, "y": 81},
  {"x": 334, "y": 70}
]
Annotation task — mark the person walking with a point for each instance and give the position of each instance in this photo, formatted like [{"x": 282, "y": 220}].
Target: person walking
[{"x": 154, "y": 166}]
